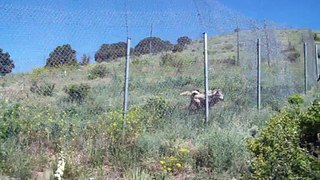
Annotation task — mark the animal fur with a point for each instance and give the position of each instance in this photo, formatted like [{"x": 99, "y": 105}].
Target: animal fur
[{"x": 198, "y": 99}]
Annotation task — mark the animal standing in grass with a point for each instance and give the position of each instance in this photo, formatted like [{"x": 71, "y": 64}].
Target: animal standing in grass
[{"x": 198, "y": 99}]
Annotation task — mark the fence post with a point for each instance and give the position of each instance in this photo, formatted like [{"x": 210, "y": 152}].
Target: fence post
[
  {"x": 238, "y": 46},
  {"x": 258, "y": 74},
  {"x": 205, "y": 41},
  {"x": 126, "y": 82},
  {"x": 317, "y": 63},
  {"x": 305, "y": 67}
]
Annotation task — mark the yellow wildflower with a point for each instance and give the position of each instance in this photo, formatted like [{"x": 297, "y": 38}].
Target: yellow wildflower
[
  {"x": 184, "y": 150},
  {"x": 178, "y": 165},
  {"x": 162, "y": 162},
  {"x": 169, "y": 169}
]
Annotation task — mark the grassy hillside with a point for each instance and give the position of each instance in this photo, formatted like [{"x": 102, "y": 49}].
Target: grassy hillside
[{"x": 162, "y": 138}]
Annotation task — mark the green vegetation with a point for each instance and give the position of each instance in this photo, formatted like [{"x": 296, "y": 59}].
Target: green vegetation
[
  {"x": 62, "y": 55},
  {"x": 76, "y": 113},
  {"x": 6, "y": 63},
  {"x": 277, "y": 150},
  {"x": 109, "y": 52},
  {"x": 98, "y": 71}
]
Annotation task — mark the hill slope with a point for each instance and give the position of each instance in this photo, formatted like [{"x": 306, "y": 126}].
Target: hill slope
[{"x": 159, "y": 126}]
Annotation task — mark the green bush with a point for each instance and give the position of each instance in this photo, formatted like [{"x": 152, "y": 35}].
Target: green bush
[
  {"x": 276, "y": 153},
  {"x": 77, "y": 92},
  {"x": 221, "y": 150},
  {"x": 157, "y": 107},
  {"x": 316, "y": 37},
  {"x": 118, "y": 132},
  {"x": 172, "y": 60},
  {"x": 293, "y": 54},
  {"x": 310, "y": 129},
  {"x": 98, "y": 71},
  {"x": 295, "y": 99},
  {"x": 45, "y": 89}
]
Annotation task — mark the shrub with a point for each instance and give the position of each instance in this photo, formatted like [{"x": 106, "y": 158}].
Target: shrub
[
  {"x": 172, "y": 60},
  {"x": 45, "y": 89},
  {"x": 276, "y": 152},
  {"x": 98, "y": 71},
  {"x": 295, "y": 99},
  {"x": 177, "y": 48},
  {"x": 157, "y": 107},
  {"x": 125, "y": 134},
  {"x": 77, "y": 92},
  {"x": 316, "y": 37},
  {"x": 293, "y": 54},
  {"x": 310, "y": 130},
  {"x": 221, "y": 150},
  {"x": 228, "y": 47}
]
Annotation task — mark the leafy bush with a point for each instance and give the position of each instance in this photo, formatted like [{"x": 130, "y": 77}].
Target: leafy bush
[
  {"x": 98, "y": 71},
  {"x": 316, "y": 37},
  {"x": 172, "y": 60},
  {"x": 310, "y": 130},
  {"x": 45, "y": 89},
  {"x": 293, "y": 54},
  {"x": 295, "y": 99},
  {"x": 6, "y": 63},
  {"x": 77, "y": 92},
  {"x": 177, "y": 48},
  {"x": 62, "y": 55},
  {"x": 276, "y": 152},
  {"x": 120, "y": 133},
  {"x": 221, "y": 150},
  {"x": 227, "y": 47},
  {"x": 157, "y": 107}
]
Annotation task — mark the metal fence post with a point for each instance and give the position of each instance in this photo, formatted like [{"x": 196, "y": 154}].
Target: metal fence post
[
  {"x": 317, "y": 63},
  {"x": 238, "y": 46},
  {"x": 205, "y": 41},
  {"x": 305, "y": 67},
  {"x": 258, "y": 74},
  {"x": 126, "y": 83}
]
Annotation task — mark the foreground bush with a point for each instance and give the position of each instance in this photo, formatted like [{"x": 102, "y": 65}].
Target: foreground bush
[
  {"x": 98, "y": 71},
  {"x": 276, "y": 152},
  {"x": 77, "y": 92}
]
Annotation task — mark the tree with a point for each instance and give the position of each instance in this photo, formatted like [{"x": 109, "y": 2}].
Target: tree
[
  {"x": 6, "y": 64},
  {"x": 85, "y": 60},
  {"x": 152, "y": 45},
  {"x": 184, "y": 40},
  {"x": 62, "y": 55},
  {"x": 182, "y": 43},
  {"x": 109, "y": 52}
]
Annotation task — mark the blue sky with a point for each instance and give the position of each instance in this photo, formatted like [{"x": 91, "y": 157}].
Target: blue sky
[{"x": 31, "y": 29}]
